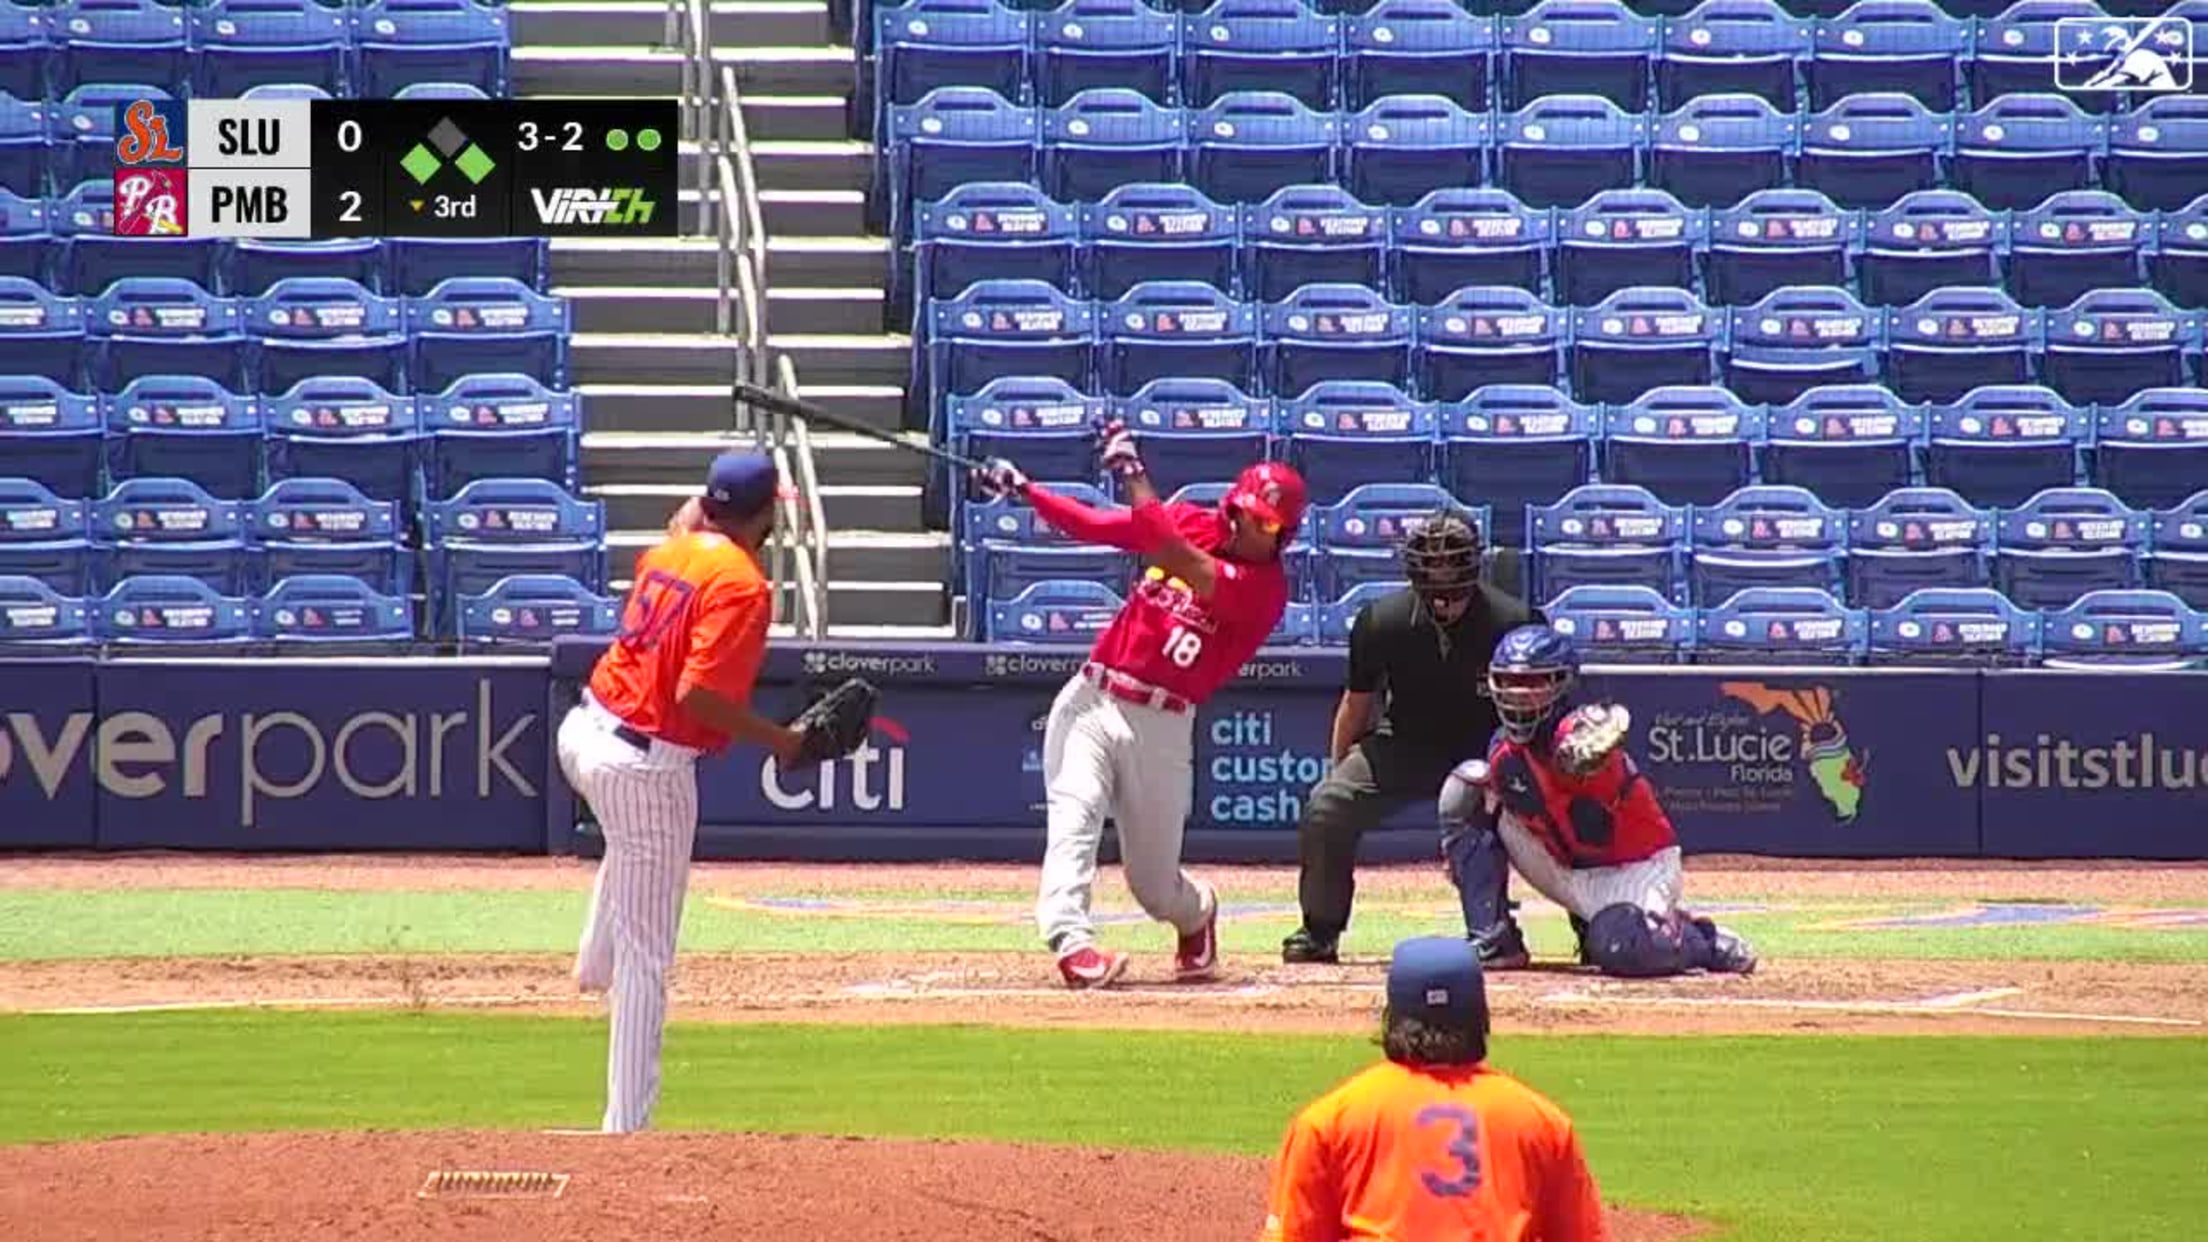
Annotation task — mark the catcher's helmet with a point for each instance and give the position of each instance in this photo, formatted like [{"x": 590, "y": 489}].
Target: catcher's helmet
[
  {"x": 1532, "y": 671},
  {"x": 1441, "y": 555},
  {"x": 1273, "y": 493}
]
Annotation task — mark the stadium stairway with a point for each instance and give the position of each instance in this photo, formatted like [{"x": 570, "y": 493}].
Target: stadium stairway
[{"x": 654, "y": 378}]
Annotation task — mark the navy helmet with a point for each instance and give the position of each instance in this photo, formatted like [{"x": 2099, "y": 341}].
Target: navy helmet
[{"x": 1532, "y": 672}]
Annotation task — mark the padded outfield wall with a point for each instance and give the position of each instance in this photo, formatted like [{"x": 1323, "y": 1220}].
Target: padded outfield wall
[{"x": 446, "y": 754}]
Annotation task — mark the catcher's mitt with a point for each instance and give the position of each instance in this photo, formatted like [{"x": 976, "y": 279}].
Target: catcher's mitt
[
  {"x": 1588, "y": 737},
  {"x": 835, "y": 724}
]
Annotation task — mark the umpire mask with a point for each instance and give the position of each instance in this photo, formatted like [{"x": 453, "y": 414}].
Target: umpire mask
[{"x": 1441, "y": 561}]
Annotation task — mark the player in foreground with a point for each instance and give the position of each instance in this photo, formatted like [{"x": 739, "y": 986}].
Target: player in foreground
[
  {"x": 676, "y": 684},
  {"x": 1120, "y": 737},
  {"x": 1433, "y": 1143},
  {"x": 1559, "y": 798}
]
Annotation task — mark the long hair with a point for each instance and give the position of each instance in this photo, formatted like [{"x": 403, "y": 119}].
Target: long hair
[{"x": 1416, "y": 1042}]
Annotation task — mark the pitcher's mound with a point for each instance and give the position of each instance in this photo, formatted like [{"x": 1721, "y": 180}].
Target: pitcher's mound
[{"x": 536, "y": 1187}]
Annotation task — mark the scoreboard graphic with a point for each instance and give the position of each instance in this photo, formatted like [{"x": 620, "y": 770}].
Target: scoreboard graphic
[{"x": 328, "y": 169}]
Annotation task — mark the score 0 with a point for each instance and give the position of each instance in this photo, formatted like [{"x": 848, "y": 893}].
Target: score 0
[{"x": 348, "y": 183}]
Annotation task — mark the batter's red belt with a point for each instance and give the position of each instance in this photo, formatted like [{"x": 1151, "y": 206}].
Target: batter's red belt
[{"x": 1131, "y": 690}]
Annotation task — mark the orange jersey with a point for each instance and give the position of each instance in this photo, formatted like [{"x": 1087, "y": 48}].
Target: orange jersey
[
  {"x": 696, "y": 616},
  {"x": 1419, "y": 1155}
]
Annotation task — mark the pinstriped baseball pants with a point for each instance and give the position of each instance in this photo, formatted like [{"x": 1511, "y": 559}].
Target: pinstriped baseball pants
[{"x": 646, "y": 802}]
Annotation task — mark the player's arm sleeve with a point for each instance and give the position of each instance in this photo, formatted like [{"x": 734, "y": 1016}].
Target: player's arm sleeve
[
  {"x": 1304, "y": 1203},
  {"x": 728, "y": 638},
  {"x": 1111, "y": 527},
  {"x": 1366, "y": 672},
  {"x": 1571, "y": 1207}
]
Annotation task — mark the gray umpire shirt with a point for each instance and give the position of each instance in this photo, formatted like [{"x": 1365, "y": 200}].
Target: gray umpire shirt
[{"x": 1435, "y": 677}]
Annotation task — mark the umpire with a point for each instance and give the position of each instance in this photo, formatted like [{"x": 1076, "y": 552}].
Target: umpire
[{"x": 1426, "y": 648}]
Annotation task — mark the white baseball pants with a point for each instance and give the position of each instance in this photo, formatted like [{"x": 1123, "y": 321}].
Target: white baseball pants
[
  {"x": 646, "y": 801},
  {"x": 1656, "y": 883},
  {"x": 1105, "y": 756}
]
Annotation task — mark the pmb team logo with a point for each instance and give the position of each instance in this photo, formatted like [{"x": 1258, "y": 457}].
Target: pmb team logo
[
  {"x": 1832, "y": 761},
  {"x": 151, "y": 181}
]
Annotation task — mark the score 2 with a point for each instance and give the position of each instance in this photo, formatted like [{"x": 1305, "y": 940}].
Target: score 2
[{"x": 348, "y": 182}]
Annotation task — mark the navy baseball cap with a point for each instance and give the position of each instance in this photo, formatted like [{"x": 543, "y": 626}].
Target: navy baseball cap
[
  {"x": 744, "y": 480},
  {"x": 1438, "y": 979}
]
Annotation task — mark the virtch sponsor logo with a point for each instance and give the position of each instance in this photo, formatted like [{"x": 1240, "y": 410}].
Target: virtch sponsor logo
[{"x": 2049, "y": 762}]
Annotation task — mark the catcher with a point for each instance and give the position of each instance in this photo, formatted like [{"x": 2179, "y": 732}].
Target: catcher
[
  {"x": 676, "y": 684},
  {"x": 1559, "y": 798}
]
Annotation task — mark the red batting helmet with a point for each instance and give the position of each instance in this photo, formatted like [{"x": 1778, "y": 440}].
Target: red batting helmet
[{"x": 1273, "y": 493}]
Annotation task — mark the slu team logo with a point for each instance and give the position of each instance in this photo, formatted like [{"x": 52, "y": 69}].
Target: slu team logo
[{"x": 1825, "y": 752}]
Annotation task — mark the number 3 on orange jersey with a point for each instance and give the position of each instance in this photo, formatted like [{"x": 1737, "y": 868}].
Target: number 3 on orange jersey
[
  {"x": 1463, "y": 1148},
  {"x": 654, "y": 603}
]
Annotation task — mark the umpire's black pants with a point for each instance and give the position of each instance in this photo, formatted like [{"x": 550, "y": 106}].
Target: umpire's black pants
[{"x": 1380, "y": 775}]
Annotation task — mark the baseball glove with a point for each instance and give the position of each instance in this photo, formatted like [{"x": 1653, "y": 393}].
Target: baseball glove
[
  {"x": 835, "y": 724},
  {"x": 1588, "y": 737}
]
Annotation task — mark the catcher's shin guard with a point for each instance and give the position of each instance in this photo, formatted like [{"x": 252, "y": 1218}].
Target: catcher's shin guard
[{"x": 1479, "y": 868}]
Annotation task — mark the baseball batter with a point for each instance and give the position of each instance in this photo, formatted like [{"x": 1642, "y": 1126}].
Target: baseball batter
[
  {"x": 1120, "y": 737},
  {"x": 1559, "y": 798}
]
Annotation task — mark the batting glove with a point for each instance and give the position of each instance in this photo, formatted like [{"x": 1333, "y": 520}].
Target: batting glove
[
  {"x": 998, "y": 478},
  {"x": 1117, "y": 445}
]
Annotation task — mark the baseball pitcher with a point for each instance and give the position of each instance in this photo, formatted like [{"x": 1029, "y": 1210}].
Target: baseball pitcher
[
  {"x": 1120, "y": 738},
  {"x": 1560, "y": 799}
]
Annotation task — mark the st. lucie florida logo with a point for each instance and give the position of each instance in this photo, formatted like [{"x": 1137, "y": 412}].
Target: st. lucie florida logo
[{"x": 1830, "y": 759}]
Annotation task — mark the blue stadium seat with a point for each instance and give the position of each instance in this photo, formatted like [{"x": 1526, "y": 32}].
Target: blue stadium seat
[
  {"x": 1557, "y": 151},
  {"x": 1914, "y": 538},
  {"x": 1059, "y": 614},
  {"x": 326, "y": 611},
  {"x": 171, "y": 526},
  {"x": 163, "y": 326},
  {"x": 1298, "y": 627},
  {"x": 1341, "y": 434},
  {"x": 502, "y": 425},
  {"x": 1418, "y": 47},
  {"x": 1623, "y": 624},
  {"x": 27, "y": 243},
  {"x": 35, "y": 615},
  {"x": 2015, "y": 151},
  {"x": 1776, "y": 238},
  {"x": 253, "y": 265},
  {"x": 1467, "y": 238},
  {"x": 2152, "y": 450},
  {"x": 1360, "y": 537},
  {"x": 1910, "y": 47},
  {"x": 2013, "y": 52},
  {"x": 468, "y": 325},
  {"x": 326, "y": 526},
  {"x": 1086, "y": 44},
  {"x": 1336, "y": 618},
  {"x": 1312, "y": 234},
  {"x": 316, "y": 327},
  {"x": 1246, "y": 146},
  {"x": 955, "y": 135},
  {"x": 531, "y": 610},
  {"x": 1259, "y": 45},
  {"x": 402, "y": 42},
  {"x": 1404, "y": 147},
  {"x": 1975, "y": 627},
  {"x": 1798, "y": 339},
  {"x": 998, "y": 230},
  {"x": 494, "y": 528},
  {"x": 1044, "y": 424},
  {"x": 440, "y": 90},
  {"x": 44, "y": 536},
  {"x": 25, "y": 51},
  {"x": 1953, "y": 340},
  {"x": 26, "y": 133},
  {"x": 2144, "y": 630},
  {"x": 50, "y": 434},
  {"x": 418, "y": 264},
  {"x": 1866, "y": 151},
  {"x": 1765, "y": 536},
  {"x": 1639, "y": 339},
  {"x": 1099, "y": 140},
  {"x": 1607, "y": 535},
  {"x": 923, "y": 44},
  {"x": 241, "y": 44},
  {"x": 1848, "y": 444},
  {"x": 2177, "y": 264},
  {"x": 1578, "y": 47},
  {"x": 171, "y": 610},
  {"x": 2001, "y": 444},
  {"x": 1002, "y": 328},
  {"x": 186, "y": 427},
  {"x": 2112, "y": 344},
  {"x": 1727, "y": 47},
  {"x": 1481, "y": 336},
  {"x": 1175, "y": 328},
  {"x": 1688, "y": 445},
  {"x": 1158, "y": 231},
  {"x": 1622, "y": 238},
  {"x": 105, "y": 41},
  {"x": 1719, "y": 149},
  {"x": 1781, "y": 625},
  {"x": 2066, "y": 541},
  {"x": 1334, "y": 332},
  {"x": 288, "y": 90},
  {"x": 2177, "y": 550},
  {"x": 1928, "y": 240},
  {"x": 2158, "y": 153},
  {"x": 2073, "y": 243},
  {"x": 1008, "y": 549},
  {"x": 41, "y": 335},
  {"x": 82, "y": 128},
  {"x": 1205, "y": 431},
  {"x": 351, "y": 430},
  {"x": 93, "y": 258},
  {"x": 1508, "y": 446}
]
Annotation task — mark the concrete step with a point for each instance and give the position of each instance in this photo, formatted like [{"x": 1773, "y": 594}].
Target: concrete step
[
  {"x": 855, "y": 359},
  {"x": 860, "y": 602},
  {"x": 833, "y": 164},
  {"x": 805, "y": 310},
  {"x": 648, "y": 408},
  {"x": 857, "y": 633},
  {"x": 636, "y": 357},
  {"x": 826, "y": 262},
  {"x": 853, "y": 555},
  {"x": 819, "y": 118},
  {"x": 824, "y": 213},
  {"x": 677, "y": 457},
  {"x": 812, "y": 68},
  {"x": 645, "y": 506},
  {"x": 642, "y": 308},
  {"x": 614, "y": 70},
  {"x": 615, "y": 261},
  {"x": 745, "y": 23},
  {"x": 875, "y": 405}
]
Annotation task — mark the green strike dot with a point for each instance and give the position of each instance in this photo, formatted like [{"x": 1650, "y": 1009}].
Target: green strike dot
[
  {"x": 617, "y": 140},
  {"x": 647, "y": 140}
]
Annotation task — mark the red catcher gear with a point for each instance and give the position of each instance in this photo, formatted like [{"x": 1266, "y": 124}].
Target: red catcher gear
[{"x": 1273, "y": 493}]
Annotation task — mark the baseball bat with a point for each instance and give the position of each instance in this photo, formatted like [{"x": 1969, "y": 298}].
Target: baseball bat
[{"x": 767, "y": 399}]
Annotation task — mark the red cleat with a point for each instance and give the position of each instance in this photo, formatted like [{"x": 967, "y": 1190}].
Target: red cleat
[
  {"x": 1091, "y": 967},
  {"x": 1196, "y": 958}
]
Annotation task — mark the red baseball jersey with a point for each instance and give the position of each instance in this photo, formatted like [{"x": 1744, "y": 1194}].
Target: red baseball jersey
[
  {"x": 697, "y": 615},
  {"x": 1605, "y": 818},
  {"x": 1165, "y": 636}
]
